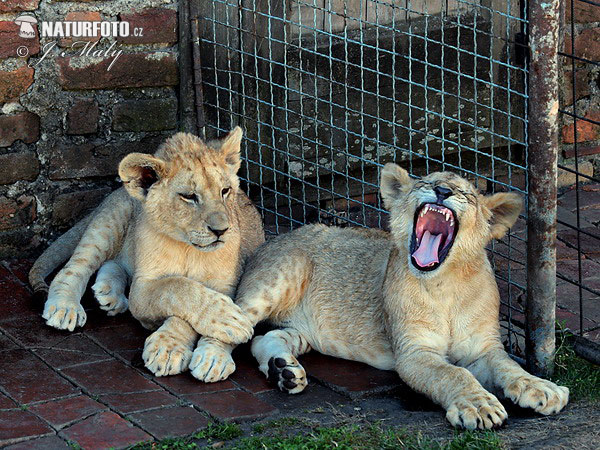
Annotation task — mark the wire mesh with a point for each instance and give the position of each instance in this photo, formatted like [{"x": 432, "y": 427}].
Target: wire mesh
[
  {"x": 578, "y": 290},
  {"x": 328, "y": 91}
]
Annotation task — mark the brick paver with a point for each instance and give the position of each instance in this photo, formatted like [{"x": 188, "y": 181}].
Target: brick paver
[
  {"x": 17, "y": 425},
  {"x": 90, "y": 387},
  {"x": 232, "y": 405},
  {"x": 104, "y": 430},
  {"x": 138, "y": 401},
  {"x": 171, "y": 422},
  {"x": 63, "y": 412}
]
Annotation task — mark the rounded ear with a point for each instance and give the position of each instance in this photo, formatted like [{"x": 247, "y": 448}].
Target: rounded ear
[
  {"x": 505, "y": 208},
  {"x": 231, "y": 147},
  {"x": 394, "y": 181},
  {"x": 139, "y": 171}
]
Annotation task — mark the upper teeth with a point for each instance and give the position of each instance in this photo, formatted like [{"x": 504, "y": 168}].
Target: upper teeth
[{"x": 447, "y": 215}]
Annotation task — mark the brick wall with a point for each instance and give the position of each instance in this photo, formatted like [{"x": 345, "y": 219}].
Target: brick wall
[
  {"x": 587, "y": 89},
  {"x": 66, "y": 121}
]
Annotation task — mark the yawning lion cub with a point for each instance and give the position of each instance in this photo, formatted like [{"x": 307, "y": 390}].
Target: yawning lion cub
[{"x": 422, "y": 300}]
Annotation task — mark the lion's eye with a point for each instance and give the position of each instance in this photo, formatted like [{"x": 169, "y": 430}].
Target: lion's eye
[
  {"x": 225, "y": 192},
  {"x": 189, "y": 197}
]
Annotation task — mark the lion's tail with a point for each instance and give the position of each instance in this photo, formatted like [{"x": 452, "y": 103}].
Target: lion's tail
[{"x": 55, "y": 255}]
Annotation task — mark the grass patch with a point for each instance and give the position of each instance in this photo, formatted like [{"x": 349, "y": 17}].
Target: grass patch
[
  {"x": 370, "y": 437},
  {"x": 283, "y": 436},
  {"x": 580, "y": 376},
  {"x": 212, "y": 432},
  {"x": 220, "y": 432},
  {"x": 278, "y": 424}
]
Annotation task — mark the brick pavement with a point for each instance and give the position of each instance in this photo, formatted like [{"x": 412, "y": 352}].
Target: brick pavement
[{"x": 90, "y": 387}]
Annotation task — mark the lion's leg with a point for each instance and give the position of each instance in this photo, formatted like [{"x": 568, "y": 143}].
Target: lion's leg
[
  {"x": 168, "y": 350},
  {"x": 101, "y": 241},
  {"x": 467, "y": 403},
  {"x": 268, "y": 289},
  {"x": 498, "y": 369},
  {"x": 209, "y": 312},
  {"x": 276, "y": 354},
  {"x": 109, "y": 288}
]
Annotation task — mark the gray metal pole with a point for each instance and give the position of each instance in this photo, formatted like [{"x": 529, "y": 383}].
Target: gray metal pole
[{"x": 544, "y": 24}]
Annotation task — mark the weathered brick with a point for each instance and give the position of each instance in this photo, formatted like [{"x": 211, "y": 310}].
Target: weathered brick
[
  {"x": 26, "y": 379},
  {"x": 582, "y": 87},
  {"x": 581, "y": 151},
  {"x": 80, "y": 16},
  {"x": 145, "y": 115},
  {"x": 16, "y": 213},
  {"x": 14, "y": 83},
  {"x": 17, "y": 424},
  {"x": 586, "y": 131},
  {"x": 158, "y": 25},
  {"x": 104, "y": 430},
  {"x": 10, "y": 41},
  {"x": 587, "y": 44},
  {"x": 170, "y": 422},
  {"x": 18, "y": 166},
  {"x": 24, "y": 126},
  {"x": 60, "y": 413},
  {"x": 82, "y": 118},
  {"x": 88, "y": 160},
  {"x": 584, "y": 12},
  {"x": 232, "y": 405},
  {"x": 18, "y": 5},
  {"x": 129, "y": 70},
  {"x": 73, "y": 205}
]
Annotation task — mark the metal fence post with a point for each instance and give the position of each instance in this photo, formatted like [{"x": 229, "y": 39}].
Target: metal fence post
[{"x": 544, "y": 23}]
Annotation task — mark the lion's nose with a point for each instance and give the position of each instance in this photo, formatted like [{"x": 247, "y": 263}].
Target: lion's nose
[
  {"x": 217, "y": 232},
  {"x": 442, "y": 193}
]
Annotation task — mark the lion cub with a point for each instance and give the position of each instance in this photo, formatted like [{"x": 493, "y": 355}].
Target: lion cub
[
  {"x": 180, "y": 232},
  {"x": 422, "y": 300}
]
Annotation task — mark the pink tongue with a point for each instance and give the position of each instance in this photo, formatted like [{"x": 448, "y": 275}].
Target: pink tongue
[{"x": 427, "y": 253}]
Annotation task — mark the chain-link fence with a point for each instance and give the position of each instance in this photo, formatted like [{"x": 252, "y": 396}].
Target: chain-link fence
[
  {"x": 578, "y": 268},
  {"x": 328, "y": 91}
]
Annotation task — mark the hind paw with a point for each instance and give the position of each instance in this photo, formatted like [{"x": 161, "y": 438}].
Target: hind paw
[
  {"x": 288, "y": 374},
  {"x": 63, "y": 314},
  {"x": 108, "y": 298}
]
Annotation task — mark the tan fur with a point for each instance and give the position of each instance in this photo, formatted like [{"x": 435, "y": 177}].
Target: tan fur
[
  {"x": 180, "y": 230},
  {"x": 364, "y": 300}
]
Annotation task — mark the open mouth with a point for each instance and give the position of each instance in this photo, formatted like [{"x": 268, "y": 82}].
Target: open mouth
[{"x": 435, "y": 227}]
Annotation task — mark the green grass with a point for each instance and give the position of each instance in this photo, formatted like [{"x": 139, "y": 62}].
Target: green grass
[
  {"x": 219, "y": 432},
  {"x": 278, "y": 424},
  {"x": 347, "y": 437},
  {"x": 580, "y": 376},
  {"x": 370, "y": 437},
  {"x": 212, "y": 432}
]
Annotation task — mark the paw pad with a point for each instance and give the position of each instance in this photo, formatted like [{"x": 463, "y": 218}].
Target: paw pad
[{"x": 289, "y": 377}]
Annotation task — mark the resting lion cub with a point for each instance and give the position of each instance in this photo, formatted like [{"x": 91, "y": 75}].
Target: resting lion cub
[
  {"x": 181, "y": 230},
  {"x": 422, "y": 301}
]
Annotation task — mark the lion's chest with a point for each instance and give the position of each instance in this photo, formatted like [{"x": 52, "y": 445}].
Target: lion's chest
[{"x": 216, "y": 270}]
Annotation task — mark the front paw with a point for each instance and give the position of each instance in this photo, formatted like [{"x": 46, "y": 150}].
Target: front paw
[
  {"x": 226, "y": 323},
  {"x": 165, "y": 354},
  {"x": 211, "y": 363},
  {"x": 543, "y": 396},
  {"x": 478, "y": 410},
  {"x": 63, "y": 314}
]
